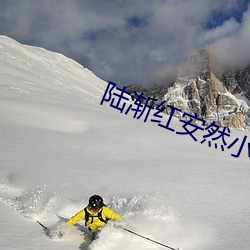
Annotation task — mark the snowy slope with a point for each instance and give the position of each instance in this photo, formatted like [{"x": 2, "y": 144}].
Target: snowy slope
[{"x": 59, "y": 146}]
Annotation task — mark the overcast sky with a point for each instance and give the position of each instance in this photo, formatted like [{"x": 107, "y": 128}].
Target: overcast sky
[{"x": 131, "y": 41}]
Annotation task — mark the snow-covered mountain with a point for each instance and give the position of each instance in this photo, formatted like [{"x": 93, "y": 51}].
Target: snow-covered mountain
[
  {"x": 58, "y": 146},
  {"x": 199, "y": 88}
]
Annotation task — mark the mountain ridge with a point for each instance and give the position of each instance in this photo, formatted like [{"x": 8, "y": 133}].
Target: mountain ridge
[{"x": 199, "y": 89}]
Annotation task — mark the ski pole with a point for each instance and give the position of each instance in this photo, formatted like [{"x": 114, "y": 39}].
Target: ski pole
[
  {"x": 45, "y": 228},
  {"x": 146, "y": 238}
]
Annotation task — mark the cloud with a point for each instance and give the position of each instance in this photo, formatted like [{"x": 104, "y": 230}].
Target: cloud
[
  {"x": 233, "y": 49},
  {"x": 228, "y": 28},
  {"x": 124, "y": 41}
]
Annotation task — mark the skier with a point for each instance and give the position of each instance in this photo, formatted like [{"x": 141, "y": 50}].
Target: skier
[{"x": 95, "y": 214}]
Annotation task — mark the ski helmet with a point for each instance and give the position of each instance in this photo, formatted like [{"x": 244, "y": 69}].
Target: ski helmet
[{"x": 95, "y": 202}]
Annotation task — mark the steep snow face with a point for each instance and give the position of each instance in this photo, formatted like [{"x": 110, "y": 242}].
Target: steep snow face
[
  {"x": 30, "y": 74},
  {"x": 32, "y": 70}
]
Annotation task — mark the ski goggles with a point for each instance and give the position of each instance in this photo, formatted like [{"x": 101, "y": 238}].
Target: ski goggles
[{"x": 94, "y": 208}]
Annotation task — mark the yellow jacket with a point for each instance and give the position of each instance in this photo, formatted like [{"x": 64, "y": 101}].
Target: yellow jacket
[{"x": 94, "y": 223}]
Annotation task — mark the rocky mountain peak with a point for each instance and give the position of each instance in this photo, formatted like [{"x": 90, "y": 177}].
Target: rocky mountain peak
[
  {"x": 197, "y": 64},
  {"x": 197, "y": 89}
]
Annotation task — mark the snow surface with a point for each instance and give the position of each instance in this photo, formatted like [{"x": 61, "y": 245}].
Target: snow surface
[{"x": 59, "y": 146}]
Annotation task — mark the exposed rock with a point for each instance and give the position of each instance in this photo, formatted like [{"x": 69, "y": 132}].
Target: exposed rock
[
  {"x": 237, "y": 81},
  {"x": 135, "y": 87},
  {"x": 197, "y": 89}
]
